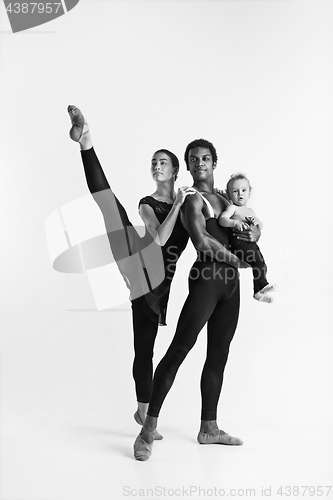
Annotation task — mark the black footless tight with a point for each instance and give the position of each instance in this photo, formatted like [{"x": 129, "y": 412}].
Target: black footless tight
[
  {"x": 145, "y": 331},
  {"x": 213, "y": 299},
  {"x": 121, "y": 232}
]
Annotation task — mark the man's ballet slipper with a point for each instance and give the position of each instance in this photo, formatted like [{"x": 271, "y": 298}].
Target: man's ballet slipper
[
  {"x": 79, "y": 125},
  {"x": 218, "y": 437},
  {"x": 138, "y": 419},
  {"x": 143, "y": 449}
]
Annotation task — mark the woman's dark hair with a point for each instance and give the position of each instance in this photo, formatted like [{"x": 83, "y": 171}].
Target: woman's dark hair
[
  {"x": 173, "y": 158},
  {"x": 200, "y": 143}
]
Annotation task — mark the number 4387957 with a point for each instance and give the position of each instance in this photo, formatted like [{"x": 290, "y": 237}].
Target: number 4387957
[{"x": 33, "y": 7}]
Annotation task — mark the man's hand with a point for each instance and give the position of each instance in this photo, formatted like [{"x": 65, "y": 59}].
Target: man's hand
[{"x": 252, "y": 234}]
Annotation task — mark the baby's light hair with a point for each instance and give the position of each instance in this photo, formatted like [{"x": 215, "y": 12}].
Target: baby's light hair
[{"x": 236, "y": 177}]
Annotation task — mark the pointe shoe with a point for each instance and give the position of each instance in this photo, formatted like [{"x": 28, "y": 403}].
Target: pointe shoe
[
  {"x": 143, "y": 449},
  {"x": 79, "y": 125},
  {"x": 218, "y": 437},
  {"x": 138, "y": 419}
]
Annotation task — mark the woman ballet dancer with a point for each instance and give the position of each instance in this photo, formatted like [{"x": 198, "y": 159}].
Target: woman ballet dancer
[{"x": 160, "y": 214}]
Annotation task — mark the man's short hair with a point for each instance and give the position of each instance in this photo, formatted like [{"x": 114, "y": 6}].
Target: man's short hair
[{"x": 200, "y": 143}]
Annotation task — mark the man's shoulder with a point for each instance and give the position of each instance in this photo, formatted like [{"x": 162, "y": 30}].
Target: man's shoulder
[{"x": 194, "y": 201}]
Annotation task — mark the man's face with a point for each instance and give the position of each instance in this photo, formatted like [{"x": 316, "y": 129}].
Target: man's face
[{"x": 200, "y": 162}]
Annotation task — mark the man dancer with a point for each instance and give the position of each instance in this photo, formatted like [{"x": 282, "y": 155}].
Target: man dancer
[{"x": 213, "y": 299}]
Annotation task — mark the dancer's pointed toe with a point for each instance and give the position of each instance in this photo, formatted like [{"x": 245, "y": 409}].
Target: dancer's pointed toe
[{"x": 79, "y": 125}]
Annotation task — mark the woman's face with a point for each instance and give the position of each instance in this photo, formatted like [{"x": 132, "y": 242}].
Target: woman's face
[{"x": 161, "y": 167}]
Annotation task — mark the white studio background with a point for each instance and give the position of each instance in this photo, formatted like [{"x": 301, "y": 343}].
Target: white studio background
[{"x": 253, "y": 77}]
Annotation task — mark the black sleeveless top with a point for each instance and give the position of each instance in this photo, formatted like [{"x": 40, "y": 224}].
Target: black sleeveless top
[{"x": 156, "y": 301}]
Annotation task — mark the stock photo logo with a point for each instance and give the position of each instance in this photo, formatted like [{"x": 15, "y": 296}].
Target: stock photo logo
[
  {"x": 79, "y": 240},
  {"x": 25, "y": 15}
]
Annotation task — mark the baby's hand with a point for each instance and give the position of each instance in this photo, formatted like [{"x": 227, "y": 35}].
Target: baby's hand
[
  {"x": 240, "y": 225},
  {"x": 253, "y": 221}
]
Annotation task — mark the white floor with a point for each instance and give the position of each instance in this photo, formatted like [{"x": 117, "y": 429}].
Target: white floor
[{"x": 89, "y": 461}]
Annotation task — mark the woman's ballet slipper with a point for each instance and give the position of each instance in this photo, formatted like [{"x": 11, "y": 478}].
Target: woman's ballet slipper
[
  {"x": 79, "y": 125},
  {"x": 218, "y": 437},
  {"x": 138, "y": 419},
  {"x": 143, "y": 448}
]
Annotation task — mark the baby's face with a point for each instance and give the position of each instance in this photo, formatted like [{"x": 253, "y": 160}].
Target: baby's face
[{"x": 239, "y": 192}]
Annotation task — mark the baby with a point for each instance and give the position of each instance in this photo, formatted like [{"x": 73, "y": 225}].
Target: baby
[{"x": 239, "y": 216}]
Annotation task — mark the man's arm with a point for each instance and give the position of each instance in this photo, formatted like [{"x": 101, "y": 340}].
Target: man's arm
[{"x": 194, "y": 222}]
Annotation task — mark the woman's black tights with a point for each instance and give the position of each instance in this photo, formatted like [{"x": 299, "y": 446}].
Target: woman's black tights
[
  {"x": 213, "y": 299},
  {"x": 145, "y": 331}
]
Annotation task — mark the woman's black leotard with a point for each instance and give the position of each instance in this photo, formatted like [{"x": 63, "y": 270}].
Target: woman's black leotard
[
  {"x": 148, "y": 310},
  {"x": 156, "y": 301},
  {"x": 213, "y": 299}
]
